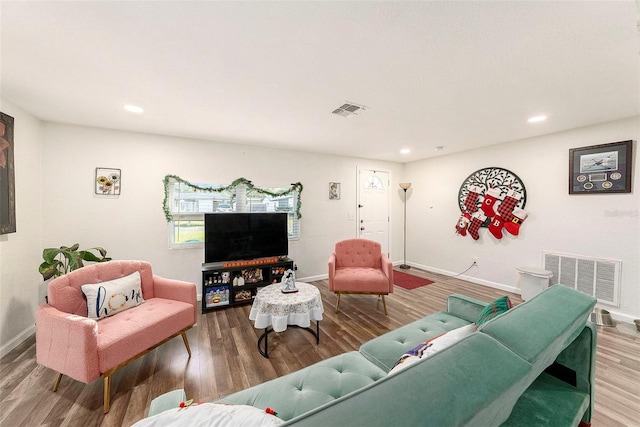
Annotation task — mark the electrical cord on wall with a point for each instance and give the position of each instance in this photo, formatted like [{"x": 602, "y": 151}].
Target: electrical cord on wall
[{"x": 470, "y": 267}]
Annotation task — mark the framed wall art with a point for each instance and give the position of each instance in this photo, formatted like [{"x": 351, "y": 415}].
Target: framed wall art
[
  {"x": 108, "y": 182},
  {"x": 334, "y": 191},
  {"x": 7, "y": 176},
  {"x": 604, "y": 168}
]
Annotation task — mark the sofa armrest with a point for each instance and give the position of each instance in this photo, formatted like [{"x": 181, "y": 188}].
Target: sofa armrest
[
  {"x": 176, "y": 290},
  {"x": 332, "y": 269},
  {"x": 580, "y": 360},
  {"x": 387, "y": 269},
  {"x": 465, "y": 307},
  {"x": 56, "y": 333}
]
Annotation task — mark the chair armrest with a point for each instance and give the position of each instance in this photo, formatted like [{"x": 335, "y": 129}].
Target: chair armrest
[
  {"x": 332, "y": 270},
  {"x": 176, "y": 290},
  {"x": 387, "y": 269},
  {"x": 57, "y": 333}
]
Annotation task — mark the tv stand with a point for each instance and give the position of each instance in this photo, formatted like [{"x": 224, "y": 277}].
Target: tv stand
[{"x": 232, "y": 283}]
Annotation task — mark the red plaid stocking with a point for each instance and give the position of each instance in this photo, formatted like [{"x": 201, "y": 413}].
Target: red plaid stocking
[
  {"x": 505, "y": 208},
  {"x": 472, "y": 198},
  {"x": 505, "y": 214},
  {"x": 476, "y": 221}
]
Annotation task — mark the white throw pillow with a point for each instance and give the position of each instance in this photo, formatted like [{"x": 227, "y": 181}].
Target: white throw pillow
[
  {"x": 432, "y": 346},
  {"x": 111, "y": 297},
  {"x": 212, "y": 415}
]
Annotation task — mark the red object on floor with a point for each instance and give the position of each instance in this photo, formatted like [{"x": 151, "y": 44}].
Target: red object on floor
[{"x": 408, "y": 281}]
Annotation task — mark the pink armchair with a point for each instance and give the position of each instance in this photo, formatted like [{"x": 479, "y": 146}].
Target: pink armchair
[
  {"x": 73, "y": 344},
  {"x": 358, "y": 266}
]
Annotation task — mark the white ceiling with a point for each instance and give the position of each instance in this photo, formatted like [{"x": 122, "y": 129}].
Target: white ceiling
[{"x": 455, "y": 74}]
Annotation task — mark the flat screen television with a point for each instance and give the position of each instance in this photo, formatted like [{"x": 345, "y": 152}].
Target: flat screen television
[{"x": 232, "y": 236}]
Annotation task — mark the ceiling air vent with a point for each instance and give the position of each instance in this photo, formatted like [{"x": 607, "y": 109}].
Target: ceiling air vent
[{"x": 347, "y": 109}]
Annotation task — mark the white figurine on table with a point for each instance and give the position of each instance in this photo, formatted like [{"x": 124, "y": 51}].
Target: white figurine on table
[{"x": 289, "y": 281}]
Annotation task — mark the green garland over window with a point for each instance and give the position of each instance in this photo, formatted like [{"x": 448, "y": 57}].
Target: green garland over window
[{"x": 250, "y": 187}]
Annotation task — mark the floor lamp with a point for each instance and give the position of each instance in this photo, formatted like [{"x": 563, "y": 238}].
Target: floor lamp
[{"x": 405, "y": 186}]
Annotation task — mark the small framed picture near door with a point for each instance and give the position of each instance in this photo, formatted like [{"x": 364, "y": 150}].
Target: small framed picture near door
[
  {"x": 7, "y": 177},
  {"x": 334, "y": 191},
  {"x": 108, "y": 182},
  {"x": 604, "y": 168}
]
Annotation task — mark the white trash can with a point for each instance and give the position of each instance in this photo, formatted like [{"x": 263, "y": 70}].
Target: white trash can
[{"x": 532, "y": 281}]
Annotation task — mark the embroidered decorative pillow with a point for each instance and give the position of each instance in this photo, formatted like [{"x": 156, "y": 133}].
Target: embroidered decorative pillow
[
  {"x": 111, "y": 297},
  {"x": 494, "y": 309},
  {"x": 432, "y": 346}
]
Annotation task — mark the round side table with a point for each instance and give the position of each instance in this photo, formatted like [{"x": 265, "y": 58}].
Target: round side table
[{"x": 274, "y": 310}]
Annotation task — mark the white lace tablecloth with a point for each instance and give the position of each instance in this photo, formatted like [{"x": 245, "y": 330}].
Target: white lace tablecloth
[{"x": 273, "y": 308}]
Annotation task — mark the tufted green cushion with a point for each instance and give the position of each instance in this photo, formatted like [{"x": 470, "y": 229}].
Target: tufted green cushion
[
  {"x": 386, "y": 349},
  {"x": 453, "y": 388},
  {"x": 308, "y": 388}
]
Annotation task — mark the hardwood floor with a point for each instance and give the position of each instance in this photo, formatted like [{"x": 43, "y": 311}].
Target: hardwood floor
[{"x": 225, "y": 359}]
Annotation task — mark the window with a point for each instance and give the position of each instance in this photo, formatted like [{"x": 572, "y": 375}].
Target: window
[{"x": 186, "y": 203}]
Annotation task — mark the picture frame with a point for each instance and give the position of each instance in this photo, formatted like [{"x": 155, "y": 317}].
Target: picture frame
[
  {"x": 7, "y": 176},
  {"x": 216, "y": 296},
  {"x": 601, "y": 169},
  {"x": 108, "y": 182},
  {"x": 334, "y": 191}
]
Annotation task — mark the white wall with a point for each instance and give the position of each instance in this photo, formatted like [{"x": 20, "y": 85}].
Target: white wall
[
  {"x": 20, "y": 252},
  {"x": 133, "y": 226},
  {"x": 575, "y": 224}
]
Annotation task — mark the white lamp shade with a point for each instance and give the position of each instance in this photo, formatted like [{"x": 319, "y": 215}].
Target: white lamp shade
[{"x": 405, "y": 185}]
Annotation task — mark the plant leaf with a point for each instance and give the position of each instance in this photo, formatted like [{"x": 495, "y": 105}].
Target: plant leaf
[
  {"x": 48, "y": 270},
  {"x": 50, "y": 254},
  {"x": 75, "y": 261}
]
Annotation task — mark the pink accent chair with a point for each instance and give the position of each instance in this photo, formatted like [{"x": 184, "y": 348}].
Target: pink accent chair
[
  {"x": 358, "y": 266},
  {"x": 85, "y": 349}
]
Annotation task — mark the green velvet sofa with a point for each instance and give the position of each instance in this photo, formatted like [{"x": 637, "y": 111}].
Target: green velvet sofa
[{"x": 531, "y": 366}]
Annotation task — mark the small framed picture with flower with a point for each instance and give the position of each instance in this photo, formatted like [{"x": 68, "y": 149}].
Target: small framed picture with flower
[{"x": 108, "y": 181}]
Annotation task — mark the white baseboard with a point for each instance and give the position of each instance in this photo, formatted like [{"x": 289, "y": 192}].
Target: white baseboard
[
  {"x": 17, "y": 340},
  {"x": 621, "y": 317},
  {"x": 471, "y": 279},
  {"x": 313, "y": 278}
]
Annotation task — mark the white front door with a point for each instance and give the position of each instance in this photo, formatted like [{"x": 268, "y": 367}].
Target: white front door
[{"x": 373, "y": 206}]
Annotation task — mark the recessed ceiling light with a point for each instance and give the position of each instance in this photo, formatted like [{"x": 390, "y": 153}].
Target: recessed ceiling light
[
  {"x": 405, "y": 151},
  {"x": 133, "y": 109},
  {"x": 439, "y": 148},
  {"x": 537, "y": 119}
]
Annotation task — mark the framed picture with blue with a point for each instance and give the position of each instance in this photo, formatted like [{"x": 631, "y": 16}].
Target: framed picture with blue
[
  {"x": 7, "y": 177},
  {"x": 216, "y": 296},
  {"x": 601, "y": 169}
]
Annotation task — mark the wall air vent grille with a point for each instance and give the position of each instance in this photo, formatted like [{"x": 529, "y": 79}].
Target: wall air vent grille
[
  {"x": 597, "y": 277},
  {"x": 347, "y": 109}
]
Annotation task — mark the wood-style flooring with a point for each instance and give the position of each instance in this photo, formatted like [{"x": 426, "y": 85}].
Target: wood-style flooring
[{"x": 225, "y": 360}]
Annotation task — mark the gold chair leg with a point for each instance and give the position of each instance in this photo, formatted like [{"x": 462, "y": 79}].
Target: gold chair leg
[
  {"x": 338, "y": 304},
  {"x": 56, "y": 384},
  {"x": 384, "y": 304},
  {"x": 107, "y": 393},
  {"x": 186, "y": 342}
]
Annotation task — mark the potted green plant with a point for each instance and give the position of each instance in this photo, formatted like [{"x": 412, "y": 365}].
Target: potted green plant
[{"x": 59, "y": 261}]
